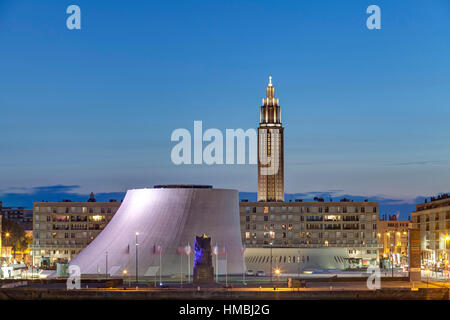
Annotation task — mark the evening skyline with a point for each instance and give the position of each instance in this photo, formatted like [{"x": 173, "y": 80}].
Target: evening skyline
[{"x": 365, "y": 111}]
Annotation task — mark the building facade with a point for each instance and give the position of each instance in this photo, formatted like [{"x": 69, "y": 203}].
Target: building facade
[
  {"x": 62, "y": 229},
  {"x": 347, "y": 230},
  {"x": 393, "y": 236},
  {"x": 270, "y": 149},
  {"x": 20, "y": 215},
  {"x": 432, "y": 218}
]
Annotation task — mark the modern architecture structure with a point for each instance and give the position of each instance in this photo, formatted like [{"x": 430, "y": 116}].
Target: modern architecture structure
[
  {"x": 62, "y": 229},
  {"x": 154, "y": 230},
  {"x": 270, "y": 149},
  {"x": 433, "y": 219}
]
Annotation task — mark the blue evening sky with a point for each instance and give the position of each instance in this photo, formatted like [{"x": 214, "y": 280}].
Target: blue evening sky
[{"x": 366, "y": 112}]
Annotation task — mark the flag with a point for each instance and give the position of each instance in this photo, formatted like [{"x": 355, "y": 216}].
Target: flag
[
  {"x": 128, "y": 250},
  {"x": 180, "y": 250},
  {"x": 187, "y": 249},
  {"x": 159, "y": 249},
  {"x": 224, "y": 250},
  {"x": 215, "y": 250}
]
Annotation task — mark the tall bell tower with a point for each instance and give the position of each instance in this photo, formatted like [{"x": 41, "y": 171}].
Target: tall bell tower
[{"x": 270, "y": 149}]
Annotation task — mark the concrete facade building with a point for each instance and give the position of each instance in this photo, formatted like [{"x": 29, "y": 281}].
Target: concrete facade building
[
  {"x": 343, "y": 232},
  {"x": 432, "y": 218},
  {"x": 62, "y": 229},
  {"x": 20, "y": 215}
]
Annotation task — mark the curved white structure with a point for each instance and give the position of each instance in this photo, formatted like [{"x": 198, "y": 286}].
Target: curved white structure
[{"x": 169, "y": 218}]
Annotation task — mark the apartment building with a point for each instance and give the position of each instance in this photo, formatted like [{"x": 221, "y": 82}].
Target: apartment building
[
  {"x": 352, "y": 226},
  {"x": 62, "y": 229},
  {"x": 432, "y": 218},
  {"x": 393, "y": 236}
]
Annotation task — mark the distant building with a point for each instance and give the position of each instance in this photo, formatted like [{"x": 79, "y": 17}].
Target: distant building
[
  {"x": 433, "y": 219},
  {"x": 62, "y": 229},
  {"x": 20, "y": 215},
  {"x": 393, "y": 236}
]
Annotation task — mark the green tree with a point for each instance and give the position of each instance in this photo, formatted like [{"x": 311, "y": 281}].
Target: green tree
[{"x": 13, "y": 235}]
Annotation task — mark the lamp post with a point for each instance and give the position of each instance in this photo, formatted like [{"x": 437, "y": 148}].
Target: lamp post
[
  {"x": 243, "y": 264},
  {"x": 226, "y": 267},
  {"x": 180, "y": 252},
  {"x": 392, "y": 264},
  {"x": 124, "y": 272},
  {"x": 216, "y": 253},
  {"x": 188, "y": 253},
  {"x": 160, "y": 265},
  {"x": 270, "y": 261},
  {"x": 277, "y": 272},
  {"x": 447, "y": 237},
  {"x": 106, "y": 263},
  {"x": 137, "y": 277}
]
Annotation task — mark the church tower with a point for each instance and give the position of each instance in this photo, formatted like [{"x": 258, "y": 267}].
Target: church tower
[{"x": 270, "y": 149}]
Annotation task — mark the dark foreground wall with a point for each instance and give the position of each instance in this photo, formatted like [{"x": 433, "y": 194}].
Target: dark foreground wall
[{"x": 99, "y": 294}]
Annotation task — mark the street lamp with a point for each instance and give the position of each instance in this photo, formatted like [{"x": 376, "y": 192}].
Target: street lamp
[
  {"x": 270, "y": 261},
  {"x": 277, "y": 272},
  {"x": 137, "y": 278},
  {"x": 447, "y": 237},
  {"x": 124, "y": 273},
  {"x": 7, "y": 235}
]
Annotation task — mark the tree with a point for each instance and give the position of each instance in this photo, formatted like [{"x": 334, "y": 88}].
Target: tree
[{"x": 13, "y": 235}]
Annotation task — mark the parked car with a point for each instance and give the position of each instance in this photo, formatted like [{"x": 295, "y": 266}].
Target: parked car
[
  {"x": 250, "y": 273},
  {"x": 260, "y": 273}
]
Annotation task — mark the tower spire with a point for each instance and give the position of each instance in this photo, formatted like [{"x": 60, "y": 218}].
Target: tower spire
[
  {"x": 270, "y": 89},
  {"x": 270, "y": 149}
]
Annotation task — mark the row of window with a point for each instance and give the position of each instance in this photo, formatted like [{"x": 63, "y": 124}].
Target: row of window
[
  {"x": 47, "y": 252},
  {"x": 73, "y": 210},
  {"x": 311, "y": 226},
  {"x": 308, "y": 209},
  {"x": 326, "y": 218}
]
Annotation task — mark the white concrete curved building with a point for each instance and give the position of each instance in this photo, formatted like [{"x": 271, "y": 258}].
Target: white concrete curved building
[{"x": 168, "y": 217}]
